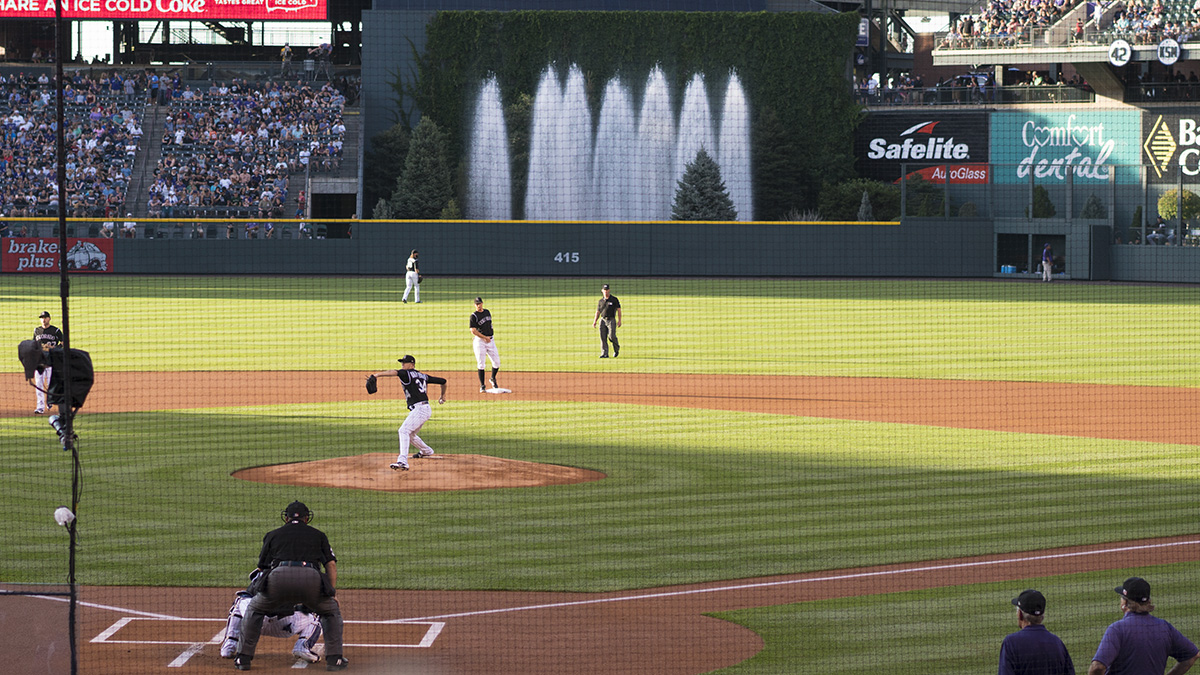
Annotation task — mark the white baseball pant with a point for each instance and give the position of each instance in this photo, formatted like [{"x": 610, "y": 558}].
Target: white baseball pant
[
  {"x": 485, "y": 350},
  {"x": 42, "y": 382},
  {"x": 417, "y": 418},
  {"x": 306, "y": 627},
  {"x": 410, "y": 283}
]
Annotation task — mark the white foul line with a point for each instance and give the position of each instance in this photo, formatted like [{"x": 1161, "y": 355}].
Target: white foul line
[{"x": 789, "y": 582}]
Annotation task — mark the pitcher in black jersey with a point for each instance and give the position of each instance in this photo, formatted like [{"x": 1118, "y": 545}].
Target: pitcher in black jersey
[
  {"x": 415, "y": 383},
  {"x": 484, "y": 342}
]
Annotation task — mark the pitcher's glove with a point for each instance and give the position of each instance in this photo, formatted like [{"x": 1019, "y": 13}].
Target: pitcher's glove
[
  {"x": 420, "y": 278},
  {"x": 372, "y": 385}
]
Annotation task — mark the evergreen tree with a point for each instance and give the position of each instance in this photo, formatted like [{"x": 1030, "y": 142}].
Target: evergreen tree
[
  {"x": 701, "y": 194},
  {"x": 384, "y": 162},
  {"x": 425, "y": 187},
  {"x": 776, "y": 175},
  {"x": 865, "y": 214}
]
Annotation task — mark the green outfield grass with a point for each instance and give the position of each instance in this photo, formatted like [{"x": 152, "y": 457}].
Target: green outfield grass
[
  {"x": 691, "y": 495},
  {"x": 976, "y": 330},
  {"x": 948, "y": 631}
]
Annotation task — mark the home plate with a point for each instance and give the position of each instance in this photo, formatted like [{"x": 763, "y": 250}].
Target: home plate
[{"x": 498, "y": 390}]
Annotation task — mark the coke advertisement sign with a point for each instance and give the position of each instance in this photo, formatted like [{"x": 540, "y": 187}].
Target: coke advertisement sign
[
  {"x": 201, "y": 10},
  {"x": 41, "y": 254},
  {"x": 958, "y": 174}
]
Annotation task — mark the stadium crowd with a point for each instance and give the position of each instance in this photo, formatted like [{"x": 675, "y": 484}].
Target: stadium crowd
[
  {"x": 228, "y": 150},
  {"x": 1002, "y": 23},
  {"x": 102, "y": 132}
]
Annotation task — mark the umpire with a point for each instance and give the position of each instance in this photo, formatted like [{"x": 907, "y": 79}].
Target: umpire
[
  {"x": 608, "y": 313},
  {"x": 290, "y": 563}
]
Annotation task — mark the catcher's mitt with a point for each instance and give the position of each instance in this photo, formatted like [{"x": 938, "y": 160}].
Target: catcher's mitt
[{"x": 372, "y": 385}]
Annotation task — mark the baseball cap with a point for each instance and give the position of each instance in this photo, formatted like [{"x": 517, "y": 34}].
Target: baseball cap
[
  {"x": 1031, "y": 602},
  {"x": 478, "y": 300},
  {"x": 1134, "y": 588},
  {"x": 604, "y": 287},
  {"x": 408, "y": 358},
  {"x": 44, "y": 315}
]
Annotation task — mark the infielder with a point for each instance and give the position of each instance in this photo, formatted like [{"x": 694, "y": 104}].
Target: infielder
[
  {"x": 305, "y": 625},
  {"x": 484, "y": 343},
  {"x": 48, "y": 337},
  {"x": 415, "y": 383},
  {"x": 412, "y": 278}
]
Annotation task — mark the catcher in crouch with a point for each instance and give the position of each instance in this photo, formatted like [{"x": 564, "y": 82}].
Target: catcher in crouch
[{"x": 301, "y": 622}]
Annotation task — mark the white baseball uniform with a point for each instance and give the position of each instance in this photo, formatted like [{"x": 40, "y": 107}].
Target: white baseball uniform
[
  {"x": 42, "y": 382},
  {"x": 412, "y": 280},
  {"x": 305, "y": 626}
]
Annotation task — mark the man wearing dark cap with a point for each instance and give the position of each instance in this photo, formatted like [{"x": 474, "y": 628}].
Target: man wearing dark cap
[
  {"x": 484, "y": 342},
  {"x": 291, "y": 561},
  {"x": 1139, "y": 644},
  {"x": 47, "y": 337},
  {"x": 1033, "y": 650},
  {"x": 608, "y": 313},
  {"x": 415, "y": 385}
]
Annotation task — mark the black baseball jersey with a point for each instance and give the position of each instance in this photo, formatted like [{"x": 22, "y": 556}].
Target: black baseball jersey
[
  {"x": 482, "y": 322},
  {"x": 47, "y": 338},
  {"x": 608, "y": 306},
  {"x": 415, "y": 383},
  {"x": 295, "y": 541}
]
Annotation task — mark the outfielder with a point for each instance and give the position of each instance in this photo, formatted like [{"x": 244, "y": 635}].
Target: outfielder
[
  {"x": 48, "y": 337},
  {"x": 415, "y": 383},
  {"x": 484, "y": 343},
  {"x": 305, "y": 625},
  {"x": 412, "y": 278}
]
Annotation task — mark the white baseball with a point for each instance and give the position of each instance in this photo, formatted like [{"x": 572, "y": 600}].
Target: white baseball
[{"x": 63, "y": 516}]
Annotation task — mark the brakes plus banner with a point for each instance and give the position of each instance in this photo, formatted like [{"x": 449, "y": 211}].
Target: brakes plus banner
[
  {"x": 201, "y": 10},
  {"x": 40, "y": 254},
  {"x": 1082, "y": 146},
  {"x": 927, "y": 143},
  {"x": 1171, "y": 144}
]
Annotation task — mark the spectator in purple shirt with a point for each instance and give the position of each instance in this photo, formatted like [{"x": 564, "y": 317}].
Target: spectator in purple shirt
[
  {"x": 1033, "y": 650},
  {"x": 1139, "y": 644}
]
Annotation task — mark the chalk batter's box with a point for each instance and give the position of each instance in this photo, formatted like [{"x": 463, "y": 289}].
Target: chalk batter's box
[{"x": 188, "y": 632}]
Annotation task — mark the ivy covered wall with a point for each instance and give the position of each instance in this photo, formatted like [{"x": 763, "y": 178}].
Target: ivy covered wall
[{"x": 792, "y": 66}]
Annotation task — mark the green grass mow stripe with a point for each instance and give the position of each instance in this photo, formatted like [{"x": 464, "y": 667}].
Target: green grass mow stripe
[
  {"x": 948, "y": 631},
  {"x": 979, "y": 330},
  {"x": 709, "y": 497}
]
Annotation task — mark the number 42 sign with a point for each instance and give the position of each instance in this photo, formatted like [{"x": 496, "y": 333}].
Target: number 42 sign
[{"x": 1119, "y": 53}]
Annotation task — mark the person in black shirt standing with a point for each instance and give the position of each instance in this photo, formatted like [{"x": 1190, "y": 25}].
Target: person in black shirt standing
[
  {"x": 415, "y": 383},
  {"x": 608, "y": 313},
  {"x": 484, "y": 344},
  {"x": 290, "y": 561}
]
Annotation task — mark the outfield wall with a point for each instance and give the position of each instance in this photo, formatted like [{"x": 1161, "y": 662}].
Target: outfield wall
[{"x": 928, "y": 249}]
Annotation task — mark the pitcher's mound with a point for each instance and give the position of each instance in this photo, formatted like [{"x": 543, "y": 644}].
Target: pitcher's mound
[{"x": 433, "y": 474}]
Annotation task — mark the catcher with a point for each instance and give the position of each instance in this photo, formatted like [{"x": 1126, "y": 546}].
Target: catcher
[{"x": 302, "y": 623}]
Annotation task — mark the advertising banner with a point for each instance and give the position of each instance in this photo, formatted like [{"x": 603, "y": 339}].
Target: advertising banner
[
  {"x": 40, "y": 254},
  {"x": 1171, "y": 145},
  {"x": 1086, "y": 146},
  {"x": 199, "y": 10},
  {"x": 885, "y": 142}
]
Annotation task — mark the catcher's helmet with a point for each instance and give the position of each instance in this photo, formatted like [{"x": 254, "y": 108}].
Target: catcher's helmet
[{"x": 297, "y": 512}]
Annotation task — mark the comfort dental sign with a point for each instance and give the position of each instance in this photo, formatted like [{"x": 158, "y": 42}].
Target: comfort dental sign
[
  {"x": 1092, "y": 147},
  {"x": 274, "y": 10}
]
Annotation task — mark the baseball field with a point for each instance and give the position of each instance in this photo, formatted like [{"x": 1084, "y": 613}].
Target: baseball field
[{"x": 775, "y": 476}]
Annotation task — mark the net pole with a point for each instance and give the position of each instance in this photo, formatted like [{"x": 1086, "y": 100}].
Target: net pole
[{"x": 66, "y": 413}]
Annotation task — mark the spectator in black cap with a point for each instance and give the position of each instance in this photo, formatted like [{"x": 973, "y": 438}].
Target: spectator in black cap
[
  {"x": 1139, "y": 644},
  {"x": 1033, "y": 650}
]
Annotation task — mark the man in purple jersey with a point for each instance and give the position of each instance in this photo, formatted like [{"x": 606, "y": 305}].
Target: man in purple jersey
[
  {"x": 1139, "y": 644},
  {"x": 1033, "y": 650}
]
